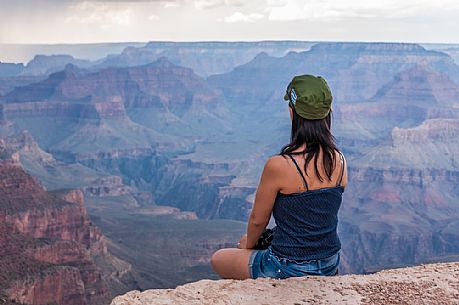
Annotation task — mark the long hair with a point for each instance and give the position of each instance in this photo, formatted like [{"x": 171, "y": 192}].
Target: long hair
[{"x": 315, "y": 134}]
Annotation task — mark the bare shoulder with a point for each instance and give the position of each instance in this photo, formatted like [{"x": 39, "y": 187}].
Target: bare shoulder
[{"x": 275, "y": 163}]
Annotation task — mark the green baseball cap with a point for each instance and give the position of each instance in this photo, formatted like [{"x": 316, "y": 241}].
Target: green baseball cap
[{"x": 310, "y": 96}]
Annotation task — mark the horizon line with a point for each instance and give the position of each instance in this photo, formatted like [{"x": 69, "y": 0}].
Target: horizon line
[{"x": 222, "y": 41}]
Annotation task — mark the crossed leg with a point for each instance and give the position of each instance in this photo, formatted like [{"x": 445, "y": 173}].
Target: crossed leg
[{"x": 232, "y": 263}]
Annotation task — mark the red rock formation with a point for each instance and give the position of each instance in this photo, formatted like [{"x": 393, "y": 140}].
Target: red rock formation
[
  {"x": 47, "y": 243},
  {"x": 61, "y": 286},
  {"x": 98, "y": 242}
]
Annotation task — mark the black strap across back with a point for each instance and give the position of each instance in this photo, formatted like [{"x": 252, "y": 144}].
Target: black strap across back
[{"x": 304, "y": 179}]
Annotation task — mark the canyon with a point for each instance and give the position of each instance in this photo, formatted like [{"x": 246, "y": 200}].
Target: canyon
[{"x": 171, "y": 156}]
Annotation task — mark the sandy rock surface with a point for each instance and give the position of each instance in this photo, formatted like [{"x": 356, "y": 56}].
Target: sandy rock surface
[{"x": 426, "y": 284}]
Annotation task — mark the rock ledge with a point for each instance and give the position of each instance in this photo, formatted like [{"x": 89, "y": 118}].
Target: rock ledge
[{"x": 425, "y": 284}]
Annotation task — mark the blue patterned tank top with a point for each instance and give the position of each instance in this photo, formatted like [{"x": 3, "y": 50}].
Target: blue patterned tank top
[{"x": 306, "y": 222}]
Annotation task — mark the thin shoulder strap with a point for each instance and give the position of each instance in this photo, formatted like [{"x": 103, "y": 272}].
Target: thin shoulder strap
[
  {"x": 342, "y": 168},
  {"x": 299, "y": 171}
]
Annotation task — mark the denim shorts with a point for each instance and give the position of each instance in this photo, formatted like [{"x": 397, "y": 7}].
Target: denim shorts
[{"x": 264, "y": 263}]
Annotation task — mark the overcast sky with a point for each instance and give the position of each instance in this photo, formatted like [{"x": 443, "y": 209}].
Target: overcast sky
[{"x": 74, "y": 21}]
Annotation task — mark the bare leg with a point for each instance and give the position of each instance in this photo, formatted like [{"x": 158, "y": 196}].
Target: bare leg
[{"x": 232, "y": 263}]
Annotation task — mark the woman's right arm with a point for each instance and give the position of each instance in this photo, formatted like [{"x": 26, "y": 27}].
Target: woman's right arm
[{"x": 264, "y": 200}]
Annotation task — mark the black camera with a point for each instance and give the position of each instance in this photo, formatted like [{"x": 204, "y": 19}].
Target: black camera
[{"x": 265, "y": 239}]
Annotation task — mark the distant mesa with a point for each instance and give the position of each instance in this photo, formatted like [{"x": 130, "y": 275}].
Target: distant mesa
[
  {"x": 41, "y": 65},
  {"x": 140, "y": 101},
  {"x": 46, "y": 64},
  {"x": 76, "y": 84},
  {"x": 420, "y": 85},
  {"x": 354, "y": 71},
  {"x": 358, "y": 47},
  {"x": 10, "y": 69},
  {"x": 204, "y": 58}
]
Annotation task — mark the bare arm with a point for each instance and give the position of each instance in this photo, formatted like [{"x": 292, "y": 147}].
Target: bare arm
[{"x": 264, "y": 200}]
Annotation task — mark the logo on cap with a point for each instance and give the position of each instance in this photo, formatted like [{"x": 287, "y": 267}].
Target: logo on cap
[{"x": 293, "y": 96}]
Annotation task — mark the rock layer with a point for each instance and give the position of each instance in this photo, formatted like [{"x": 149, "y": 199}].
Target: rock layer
[
  {"x": 425, "y": 284},
  {"x": 47, "y": 243}
]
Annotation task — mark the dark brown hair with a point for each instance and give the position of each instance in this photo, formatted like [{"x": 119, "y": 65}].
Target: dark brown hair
[{"x": 315, "y": 134}]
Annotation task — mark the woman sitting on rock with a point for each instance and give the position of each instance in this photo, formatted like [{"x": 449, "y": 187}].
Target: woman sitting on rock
[{"x": 302, "y": 187}]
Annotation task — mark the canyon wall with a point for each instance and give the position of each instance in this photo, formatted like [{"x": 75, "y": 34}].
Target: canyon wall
[{"x": 49, "y": 243}]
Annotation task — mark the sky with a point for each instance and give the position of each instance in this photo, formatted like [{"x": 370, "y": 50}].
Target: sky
[{"x": 75, "y": 21}]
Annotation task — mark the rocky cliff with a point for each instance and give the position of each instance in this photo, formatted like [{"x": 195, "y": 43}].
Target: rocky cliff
[
  {"x": 419, "y": 85},
  {"x": 47, "y": 243},
  {"x": 141, "y": 86},
  {"x": 430, "y": 131},
  {"x": 116, "y": 109},
  {"x": 425, "y": 284}
]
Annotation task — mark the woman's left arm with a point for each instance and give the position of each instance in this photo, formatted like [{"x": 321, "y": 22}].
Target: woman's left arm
[{"x": 264, "y": 200}]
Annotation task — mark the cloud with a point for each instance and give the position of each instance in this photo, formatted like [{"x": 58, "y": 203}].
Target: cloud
[
  {"x": 171, "y": 4},
  {"x": 240, "y": 17},
  {"x": 313, "y": 10},
  {"x": 153, "y": 17},
  {"x": 290, "y": 10},
  {"x": 208, "y": 4},
  {"x": 105, "y": 15},
  {"x": 73, "y": 21}
]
